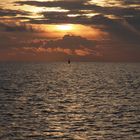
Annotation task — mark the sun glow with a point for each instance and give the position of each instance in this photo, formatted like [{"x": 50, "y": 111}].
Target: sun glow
[
  {"x": 59, "y": 30},
  {"x": 64, "y": 27}
]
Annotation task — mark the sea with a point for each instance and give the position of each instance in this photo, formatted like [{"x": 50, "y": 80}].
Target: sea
[{"x": 77, "y": 101}]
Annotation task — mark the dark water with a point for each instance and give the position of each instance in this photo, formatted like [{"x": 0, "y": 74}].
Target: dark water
[{"x": 80, "y": 101}]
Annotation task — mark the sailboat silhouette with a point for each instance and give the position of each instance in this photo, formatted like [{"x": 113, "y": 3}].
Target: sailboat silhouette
[{"x": 69, "y": 61}]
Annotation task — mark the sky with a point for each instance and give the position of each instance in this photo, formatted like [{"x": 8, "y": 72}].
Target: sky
[{"x": 80, "y": 30}]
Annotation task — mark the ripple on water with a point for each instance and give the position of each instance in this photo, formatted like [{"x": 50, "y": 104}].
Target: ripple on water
[{"x": 81, "y": 101}]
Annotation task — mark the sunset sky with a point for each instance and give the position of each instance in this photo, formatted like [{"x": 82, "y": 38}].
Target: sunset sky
[{"x": 82, "y": 30}]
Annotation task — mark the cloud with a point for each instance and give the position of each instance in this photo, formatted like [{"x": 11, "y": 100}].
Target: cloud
[
  {"x": 9, "y": 12},
  {"x": 56, "y": 50},
  {"x": 69, "y": 4},
  {"x": 83, "y": 52},
  {"x": 134, "y": 21},
  {"x": 72, "y": 45},
  {"x": 76, "y": 44},
  {"x": 119, "y": 20},
  {"x": 28, "y": 46},
  {"x": 118, "y": 28},
  {"x": 125, "y": 22},
  {"x": 80, "y": 9},
  {"x": 130, "y": 2},
  {"x": 72, "y": 42},
  {"x": 20, "y": 27},
  {"x": 78, "y": 5},
  {"x": 69, "y": 45}
]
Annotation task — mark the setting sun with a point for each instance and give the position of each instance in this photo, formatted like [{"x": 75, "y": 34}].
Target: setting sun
[{"x": 64, "y": 27}]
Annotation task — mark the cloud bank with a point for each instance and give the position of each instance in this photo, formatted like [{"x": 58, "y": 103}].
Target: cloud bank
[{"x": 119, "y": 20}]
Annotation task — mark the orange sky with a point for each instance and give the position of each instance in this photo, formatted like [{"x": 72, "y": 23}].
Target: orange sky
[{"x": 83, "y": 30}]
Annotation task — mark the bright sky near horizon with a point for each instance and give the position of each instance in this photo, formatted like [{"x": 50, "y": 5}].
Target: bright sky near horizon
[{"x": 84, "y": 30}]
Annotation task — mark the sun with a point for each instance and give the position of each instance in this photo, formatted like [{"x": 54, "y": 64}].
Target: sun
[{"x": 64, "y": 27}]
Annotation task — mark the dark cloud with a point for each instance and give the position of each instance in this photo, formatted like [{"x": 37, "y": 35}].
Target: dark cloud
[
  {"x": 60, "y": 18},
  {"x": 130, "y": 2},
  {"x": 9, "y": 12},
  {"x": 121, "y": 29},
  {"x": 124, "y": 27},
  {"x": 64, "y": 4},
  {"x": 68, "y": 45},
  {"x": 72, "y": 42},
  {"x": 22, "y": 27},
  {"x": 134, "y": 21},
  {"x": 79, "y": 8},
  {"x": 78, "y": 5},
  {"x": 118, "y": 11},
  {"x": 118, "y": 28}
]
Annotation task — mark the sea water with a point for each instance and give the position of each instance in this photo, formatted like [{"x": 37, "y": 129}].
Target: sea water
[{"x": 80, "y": 101}]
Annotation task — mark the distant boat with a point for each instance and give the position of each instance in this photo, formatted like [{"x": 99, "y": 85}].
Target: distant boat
[{"x": 69, "y": 61}]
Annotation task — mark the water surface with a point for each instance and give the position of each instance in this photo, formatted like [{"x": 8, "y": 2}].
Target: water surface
[{"x": 80, "y": 101}]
